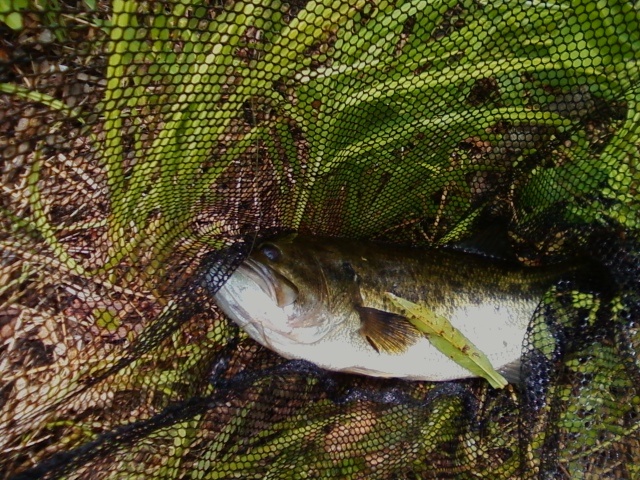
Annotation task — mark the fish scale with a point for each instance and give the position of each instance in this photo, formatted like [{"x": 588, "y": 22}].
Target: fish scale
[{"x": 324, "y": 301}]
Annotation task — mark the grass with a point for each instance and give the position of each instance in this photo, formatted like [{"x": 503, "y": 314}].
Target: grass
[
  {"x": 369, "y": 101},
  {"x": 591, "y": 405},
  {"x": 362, "y": 94},
  {"x": 371, "y": 119}
]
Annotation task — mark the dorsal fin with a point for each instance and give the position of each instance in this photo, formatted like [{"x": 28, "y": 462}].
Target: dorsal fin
[
  {"x": 385, "y": 331},
  {"x": 490, "y": 240}
]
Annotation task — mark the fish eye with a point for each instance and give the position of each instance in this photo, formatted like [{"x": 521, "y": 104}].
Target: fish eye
[{"x": 270, "y": 251}]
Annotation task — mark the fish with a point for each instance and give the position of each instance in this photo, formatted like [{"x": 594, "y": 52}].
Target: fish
[{"x": 326, "y": 301}]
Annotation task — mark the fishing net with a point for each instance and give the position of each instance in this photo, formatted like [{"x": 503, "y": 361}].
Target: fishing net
[{"x": 148, "y": 145}]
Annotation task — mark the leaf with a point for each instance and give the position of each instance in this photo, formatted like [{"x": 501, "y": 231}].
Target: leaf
[
  {"x": 449, "y": 340},
  {"x": 13, "y": 20},
  {"x": 106, "y": 319}
]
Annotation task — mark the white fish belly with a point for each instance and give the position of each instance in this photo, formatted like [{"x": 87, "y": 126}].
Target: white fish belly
[{"x": 491, "y": 329}]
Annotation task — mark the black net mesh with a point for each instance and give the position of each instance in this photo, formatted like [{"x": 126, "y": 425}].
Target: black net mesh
[{"x": 148, "y": 145}]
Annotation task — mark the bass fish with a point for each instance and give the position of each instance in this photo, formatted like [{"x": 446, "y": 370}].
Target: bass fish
[{"x": 324, "y": 301}]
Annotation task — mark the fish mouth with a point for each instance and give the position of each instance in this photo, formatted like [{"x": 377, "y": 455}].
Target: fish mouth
[
  {"x": 279, "y": 288},
  {"x": 260, "y": 274}
]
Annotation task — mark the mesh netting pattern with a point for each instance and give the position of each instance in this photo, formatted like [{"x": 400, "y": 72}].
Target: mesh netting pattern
[{"x": 148, "y": 146}]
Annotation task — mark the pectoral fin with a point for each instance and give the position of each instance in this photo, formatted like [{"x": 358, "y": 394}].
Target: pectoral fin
[{"x": 385, "y": 331}]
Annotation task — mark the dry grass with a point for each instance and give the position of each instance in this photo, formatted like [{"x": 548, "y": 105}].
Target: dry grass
[{"x": 62, "y": 327}]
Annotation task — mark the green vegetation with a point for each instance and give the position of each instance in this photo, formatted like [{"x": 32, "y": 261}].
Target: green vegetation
[
  {"x": 368, "y": 106},
  {"x": 383, "y": 115},
  {"x": 449, "y": 340},
  {"x": 381, "y": 109},
  {"x": 596, "y": 394},
  {"x": 11, "y": 13}
]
